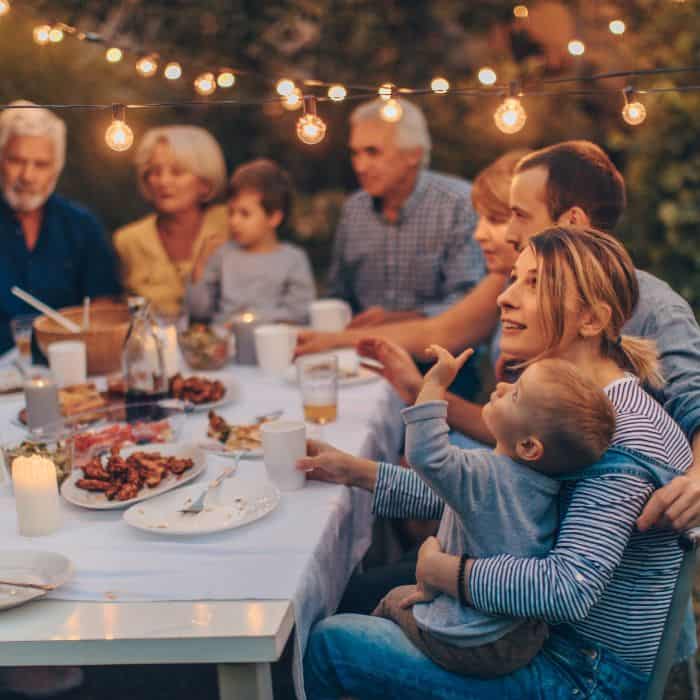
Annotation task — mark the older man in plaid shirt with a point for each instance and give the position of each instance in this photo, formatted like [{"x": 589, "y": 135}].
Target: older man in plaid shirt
[{"x": 404, "y": 246}]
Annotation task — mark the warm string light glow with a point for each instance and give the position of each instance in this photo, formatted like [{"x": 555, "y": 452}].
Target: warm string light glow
[
  {"x": 634, "y": 112},
  {"x": 576, "y": 47},
  {"x": 520, "y": 11},
  {"x": 119, "y": 136},
  {"x": 337, "y": 93},
  {"x": 285, "y": 87},
  {"x": 205, "y": 84},
  {"x": 294, "y": 100},
  {"x": 114, "y": 55},
  {"x": 4, "y": 7},
  {"x": 147, "y": 66},
  {"x": 173, "y": 71},
  {"x": 386, "y": 91},
  {"x": 440, "y": 85},
  {"x": 311, "y": 129},
  {"x": 391, "y": 111},
  {"x": 510, "y": 116},
  {"x": 56, "y": 35},
  {"x": 487, "y": 76},
  {"x": 41, "y": 33},
  {"x": 617, "y": 26},
  {"x": 226, "y": 78}
]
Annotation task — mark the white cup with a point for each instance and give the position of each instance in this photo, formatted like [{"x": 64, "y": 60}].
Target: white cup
[
  {"x": 274, "y": 346},
  {"x": 330, "y": 314},
  {"x": 68, "y": 362},
  {"x": 284, "y": 442}
]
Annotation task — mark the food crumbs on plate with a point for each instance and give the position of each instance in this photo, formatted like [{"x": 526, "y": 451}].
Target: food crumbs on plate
[{"x": 110, "y": 596}]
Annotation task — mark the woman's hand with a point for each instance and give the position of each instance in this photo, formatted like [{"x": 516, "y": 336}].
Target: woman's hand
[
  {"x": 326, "y": 463},
  {"x": 424, "y": 591},
  {"x": 209, "y": 247},
  {"x": 444, "y": 371},
  {"x": 398, "y": 367},
  {"x": 316, "y": 341},
  {"x": 676, "y": 505}
]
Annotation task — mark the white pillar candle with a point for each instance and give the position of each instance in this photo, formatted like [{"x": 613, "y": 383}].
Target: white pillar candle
[{"x": 36, "y": 495}]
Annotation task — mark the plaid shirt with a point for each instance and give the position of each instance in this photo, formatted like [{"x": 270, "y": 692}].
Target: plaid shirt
[{"x": 424, "y": 261}]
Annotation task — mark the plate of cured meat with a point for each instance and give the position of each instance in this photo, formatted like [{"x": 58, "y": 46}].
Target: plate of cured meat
[{"x": 127, "y": 475}]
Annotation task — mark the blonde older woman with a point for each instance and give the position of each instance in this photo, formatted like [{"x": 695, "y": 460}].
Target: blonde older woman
[{"x": 181, "y": 169}]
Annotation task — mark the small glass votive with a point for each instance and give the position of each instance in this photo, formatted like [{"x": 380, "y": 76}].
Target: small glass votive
[
  {"x": 318, "y": 382},
  {"x": 21, "y": 327}
]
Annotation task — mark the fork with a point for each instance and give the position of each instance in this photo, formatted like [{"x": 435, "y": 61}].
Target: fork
[
  {"x": 197, "y": 506},
  {"x": 272, "y": 415}
]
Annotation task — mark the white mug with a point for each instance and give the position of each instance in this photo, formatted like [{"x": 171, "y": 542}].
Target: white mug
[
  {"x": 330, "y": 314},
  {"x": 68, "y": 362},
  {"x": 284, "y": 442},
  {"x": 274, "y": 346}
]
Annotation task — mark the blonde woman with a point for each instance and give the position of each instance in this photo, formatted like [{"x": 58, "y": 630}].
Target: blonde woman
[{"x": 181, "y": 170}]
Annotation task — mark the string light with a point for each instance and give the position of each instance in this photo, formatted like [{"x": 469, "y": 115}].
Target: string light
[
  {"x": 440, "y": 85},
  {"x": 510, "y": 116},
  {"x": 576, "y": 47},
  {"x": 311, "y": 129},
  {"x": 337, "y": 93},
  {"x": 114, "y": 55},
  {"x": 173, "y": 71},
  {"x": 391, "y": 111},
  {"x": 226, "y": 79},
  {"x": 147, "y": 66},
  {"x": 487, "y": 76},
  {"x": 385, "y": 91},
  {"x": 634, "y": 113},
  {"x": 205, "y": 84},
  {"x": 56, "y": 35},
  {"x": 119, "y": 136},
  {"x": 617, "y": 26},
  {"x": 520, "y": 11},
  {"x": 4, "y": 7},
  {"x": 41, "y": 34},
  {"x": 285, "y": 87},
  {"x": 294, "y": 100}
]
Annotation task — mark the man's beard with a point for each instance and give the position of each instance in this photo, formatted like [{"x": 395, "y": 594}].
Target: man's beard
[{"x": 26, "y": 201}]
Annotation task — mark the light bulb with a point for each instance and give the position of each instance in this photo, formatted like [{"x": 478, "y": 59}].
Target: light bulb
[
  {"x": 311, "y": 129},
  {"x": 294, "y": 100},
  {"x": 119, "y": 136},
  {"x": 520, "y": 11},
  {"x": 391, "y": 111},
  {"x": 617, "y": 26},
  {"x": 487, "y": 76},
  {"x": 56, "y": 35},
  {"x": 337, "y": 93},
  {"x": 385, "y": 91},
  {"x": 205, "y": 84},
  {"x": 576, "y": 47},
  {"x": 510, "y": 116},
  {"x": 41, "y": 34},
  {"x": 114, "y": 55},
  {"x": 226, "y": 79},
  {"x": 147, "y": 66},
  {"x": 173, "y": 71},
  {"x": 4, "y": 7},
  {"x": 440, "y": 85},
  {"x": 285, "y": 87},
  {"x": 634, "y": 113}
]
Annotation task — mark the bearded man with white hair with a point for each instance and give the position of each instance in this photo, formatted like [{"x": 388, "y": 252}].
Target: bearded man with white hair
[
  {"x": 404, "y": 245},
  {"x": 52, "y": 248}
]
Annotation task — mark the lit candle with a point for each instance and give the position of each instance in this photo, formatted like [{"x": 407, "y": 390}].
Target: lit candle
[
  {"x": 41, "y": 396},
  {"x": 36, "y": 495},
  {"x": 243, "y": 329}
]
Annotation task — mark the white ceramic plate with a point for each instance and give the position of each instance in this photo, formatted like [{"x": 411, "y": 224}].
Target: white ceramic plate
[
  {"x": 233, "y": 504},
  {"x": 30, "y": 567},
  {"x": 98, "y": 501},
  {"x": 230, "y": 396},
  {"x": 10, "y": 380}
]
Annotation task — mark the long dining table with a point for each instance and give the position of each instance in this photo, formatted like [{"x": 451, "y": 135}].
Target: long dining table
[{"x": 231, "y": 598}]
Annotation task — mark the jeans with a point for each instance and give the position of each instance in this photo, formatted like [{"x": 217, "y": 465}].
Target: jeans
[{"x": 369, "y": 657}]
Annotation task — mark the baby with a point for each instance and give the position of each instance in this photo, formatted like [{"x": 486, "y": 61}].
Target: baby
[{"x": 551, "y": 423}]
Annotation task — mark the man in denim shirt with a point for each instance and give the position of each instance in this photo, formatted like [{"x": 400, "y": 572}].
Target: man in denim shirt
[{"x": 52, "y": 248}]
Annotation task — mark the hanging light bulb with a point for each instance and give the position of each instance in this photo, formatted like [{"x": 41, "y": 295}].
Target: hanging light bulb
[
  {"x": 487, "y": 76},
  {"x": 634, "y": 112},
  {"x": 119, "y": 136},
  {"x": 521, "y": 11},
  {"x": 285, "y": 87},
  {"x": 114, "y": 55},
  {"x": 4, "y": 7},
  {"x": 205, "y": 84},
  {"x": 173, "y": 71},
  {"x": 576, "y": 47},
  {"x": 386, "y": 91},
  {"x": 391, "y": 111},
  {"x": 617, "y": 26},
  {"x": 337, "y": 93},
  {"x": 440, "y": 85},
  {"x": 294, "y": 100},
  {"x": 510, "y": 116},
  {"x": 41, "y": 34},
  {"x": 147, "y": 66},
  {"x": 311, "y": 129},
  {"x": 226, "y": 78}
]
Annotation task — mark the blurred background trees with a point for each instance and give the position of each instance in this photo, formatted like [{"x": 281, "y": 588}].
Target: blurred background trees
[{"x": 367, "y": 43}]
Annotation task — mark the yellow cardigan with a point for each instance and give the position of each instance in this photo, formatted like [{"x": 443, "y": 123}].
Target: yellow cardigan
[{"x": 146, "y": 268}]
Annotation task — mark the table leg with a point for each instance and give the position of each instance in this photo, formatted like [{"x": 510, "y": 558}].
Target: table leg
[{"x": 244, "y": 681}]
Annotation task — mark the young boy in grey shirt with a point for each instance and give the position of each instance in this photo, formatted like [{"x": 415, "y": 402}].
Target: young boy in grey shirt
[
  {"x": 254, "y": 272},
  {"x": 551, "y": 422}
]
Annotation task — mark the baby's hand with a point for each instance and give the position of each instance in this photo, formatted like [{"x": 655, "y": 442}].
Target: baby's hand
[{"x": 444, "y": 371}]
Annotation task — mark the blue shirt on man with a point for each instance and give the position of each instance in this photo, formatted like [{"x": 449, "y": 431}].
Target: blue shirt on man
[{"x": 72, "y": 259}]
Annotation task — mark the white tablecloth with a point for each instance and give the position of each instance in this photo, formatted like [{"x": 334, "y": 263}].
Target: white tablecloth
[{"x": 304, "y": 551}]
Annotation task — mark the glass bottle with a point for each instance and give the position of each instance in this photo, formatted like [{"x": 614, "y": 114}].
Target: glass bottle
[{"x": 142, "y": 359}]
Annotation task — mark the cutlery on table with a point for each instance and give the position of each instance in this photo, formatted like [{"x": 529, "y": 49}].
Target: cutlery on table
[
  {"x": 51, "y": 313},
  {"x": 20, "y": 584},
  {"x": 197, "y": 506}
]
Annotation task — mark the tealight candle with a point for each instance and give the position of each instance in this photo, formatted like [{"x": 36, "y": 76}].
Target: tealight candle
[
  {"x": 243, "y": 329},
  {"x": 36, "y": 495}
]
